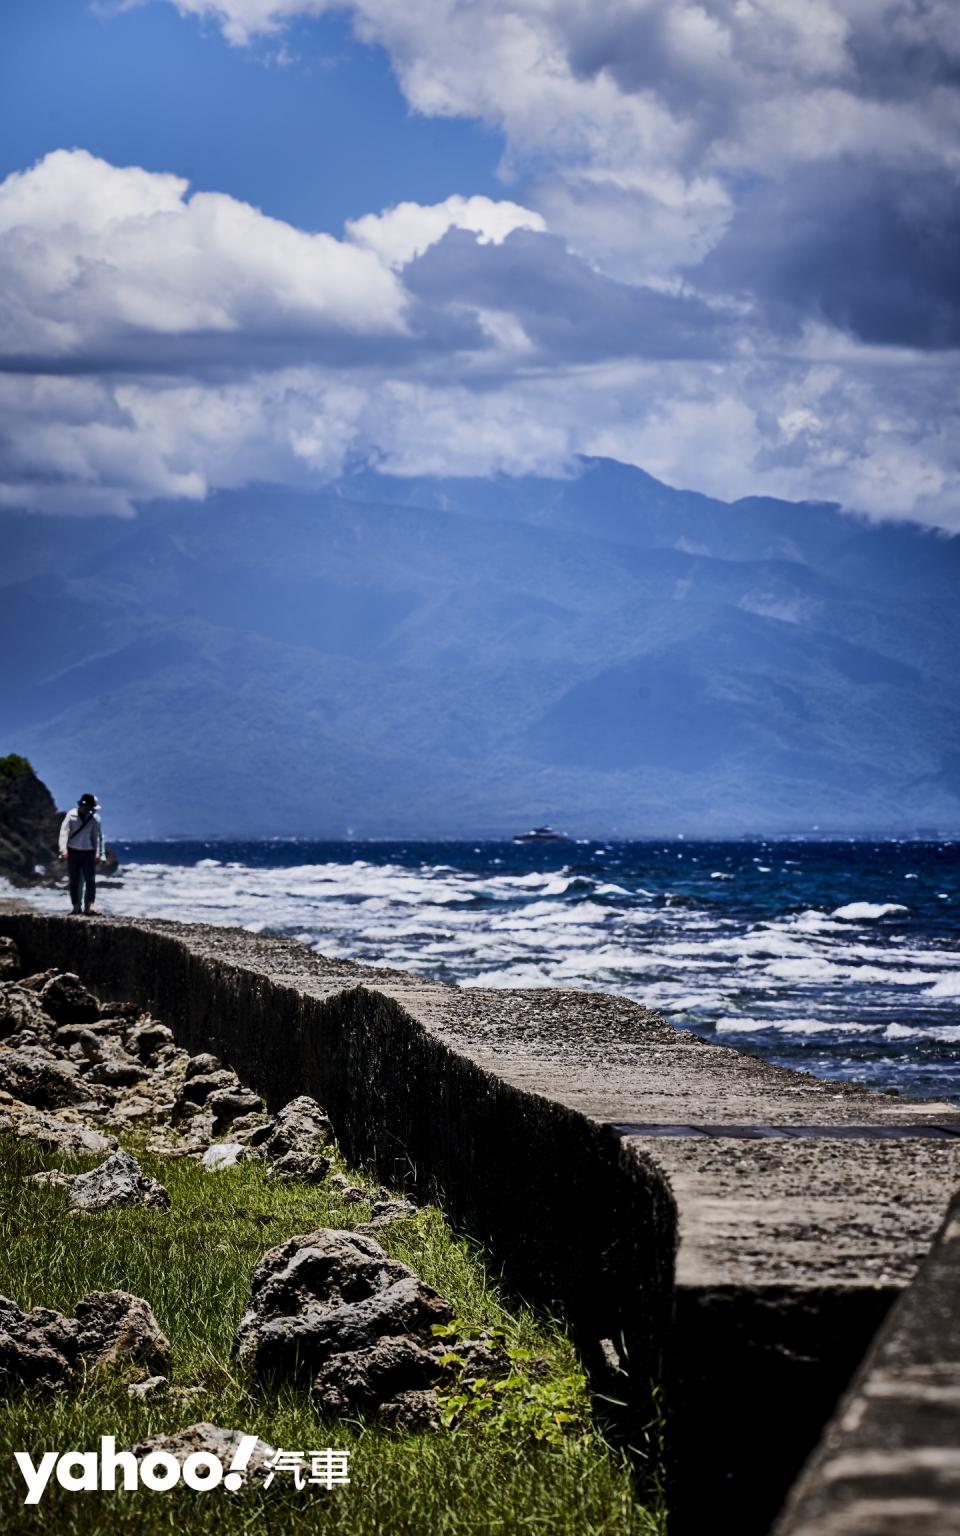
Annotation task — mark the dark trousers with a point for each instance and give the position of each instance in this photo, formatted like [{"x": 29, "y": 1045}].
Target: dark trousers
[{"x": 82, "y": 870}]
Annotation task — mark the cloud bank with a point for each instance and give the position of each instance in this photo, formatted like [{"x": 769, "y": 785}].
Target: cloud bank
[{"x": 728, "y": 254}]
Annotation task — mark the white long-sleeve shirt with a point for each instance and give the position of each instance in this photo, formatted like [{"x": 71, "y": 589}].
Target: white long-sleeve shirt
[{"x": 81, "y": 838}]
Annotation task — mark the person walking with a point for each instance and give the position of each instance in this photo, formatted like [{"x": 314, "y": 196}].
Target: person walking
[{"x": 81, "y": 844}]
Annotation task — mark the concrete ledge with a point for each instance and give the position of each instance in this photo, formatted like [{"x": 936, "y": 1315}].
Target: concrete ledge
[
  {"x": 753, "y": 1271},
  {"x": 889, "y": 1461}
]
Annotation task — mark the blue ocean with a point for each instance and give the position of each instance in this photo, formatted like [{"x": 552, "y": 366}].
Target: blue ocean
[{"x": 839, "y": 958}]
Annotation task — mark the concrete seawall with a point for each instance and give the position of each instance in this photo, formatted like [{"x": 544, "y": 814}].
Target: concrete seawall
[
  {"x": 890, "y": 1459},
  {"x": 687, "y": 1208}
]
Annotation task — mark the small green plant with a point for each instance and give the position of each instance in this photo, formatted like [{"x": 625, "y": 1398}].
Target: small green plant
[{"x": 528, "y": 1402}]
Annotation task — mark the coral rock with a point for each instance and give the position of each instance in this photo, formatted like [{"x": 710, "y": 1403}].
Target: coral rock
[
  {"x": 20, "y": 1009},
  {"x": 117, "y": 1182},
  {"x": 196, "y": 1091},
  {"x": 37, "y": 1348},
  {"x": 43, "y": 1348},
  {"x": 222, "y": 1443},
  {"x": 68, "y": 1001},
  {"x": 202, "y": 1065},
  {"x": 114, "y": 1326},
  {"x": 229, "y": 1104},
  {"x": 301, "y": 1166},
  {"x": 154, "y": 1386},
  {"x": 33, "y": 1075},
  {"x": 71, "y": 1137},
  {"x": 333, "y": 1304},
  {"x": 364, "y": 1380},
  {"x": 301, "y": 1126}
]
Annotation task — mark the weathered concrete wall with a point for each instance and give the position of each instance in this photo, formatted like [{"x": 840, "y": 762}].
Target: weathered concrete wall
[
  {"x": 743, "y": 1225},
  {"x": 889, "y": 1461}
]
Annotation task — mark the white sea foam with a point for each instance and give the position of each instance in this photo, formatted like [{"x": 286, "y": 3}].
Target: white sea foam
[
  {"x": 827, "y": 975},
  {"x": 869, "y": 911},
  {"x": 754, "y": 1025},
  {"x": 949, "y": 1034},
  {"x": 809, "y": 968},
  {"x": 946, "y": 986}
]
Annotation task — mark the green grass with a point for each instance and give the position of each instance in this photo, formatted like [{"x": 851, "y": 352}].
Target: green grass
[{"x": 524, "y": 1459}]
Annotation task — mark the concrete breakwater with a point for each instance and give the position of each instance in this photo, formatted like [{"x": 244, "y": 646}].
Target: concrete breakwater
[
  {"x": 890, "y": 1458},
  {"x": 733, "y": 1229}
]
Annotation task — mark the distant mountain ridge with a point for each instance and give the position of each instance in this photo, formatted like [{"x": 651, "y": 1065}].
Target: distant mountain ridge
[{"x": 438, "y": 657}]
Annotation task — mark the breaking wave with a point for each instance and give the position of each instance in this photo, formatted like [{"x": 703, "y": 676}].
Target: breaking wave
[{"x": 803, "y": 953}]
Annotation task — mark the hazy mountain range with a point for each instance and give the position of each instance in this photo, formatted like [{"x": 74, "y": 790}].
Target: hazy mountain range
[{"x": 463, "y": 657}]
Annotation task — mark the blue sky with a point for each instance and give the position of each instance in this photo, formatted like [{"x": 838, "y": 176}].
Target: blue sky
[
  {"x": 322, "y": 139},
  {"x": 265, "y": 240}
]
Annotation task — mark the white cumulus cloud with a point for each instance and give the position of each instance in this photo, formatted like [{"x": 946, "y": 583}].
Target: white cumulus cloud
[
  {"x": 92, "y": 253},
  {"x": 408, "y": 229},
  {"x": 650, "y": 110},
  {"x": 728, "y": 256}
]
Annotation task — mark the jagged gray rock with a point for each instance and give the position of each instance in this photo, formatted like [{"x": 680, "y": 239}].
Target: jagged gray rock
[
  {"x": 33, "y": 1075},
  {"x": 333, "y": 1304},
  {"x": 245, "y": 1127},
  {"x": 198, "y": 1132},
  {"x": 365, "y": 1381},
  {"x": 417, "y": 1409},
  {"x": 132, "y": 1108},
  {"x": 148, "y": 1037},
  {"x": 300, "y": 1126},
  {"x": 382, "y": 1212},
  {"x": 71, "y": 1137},
  {"x": 37, "y": 1348},
  {"x": 195, "y": 1091},
  {"x": 43, "y": 1348},
  {"x": 222, "y": 1443},
  {"x": 300, "y": 1166},
  {"x": 50, "y": 1177},
  {"x": 119, "y": 1011},
  {"x": 229, "y": 1104},
  {"x": 113, "y": 1326},
  {"x": 67, "y": 1000},
  {"x": 117, "y": 1070},
  {"x": 96, "y": 1047},
  {"x": 202, "y": 1066},
  {"x": 95, "y": 1038},
  {"x": 119, "y": 1181},
  {"x": 20, "y": 1009},
  {"x": 153, "y": 1386},
  {"x": 37, "y": 980}
]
